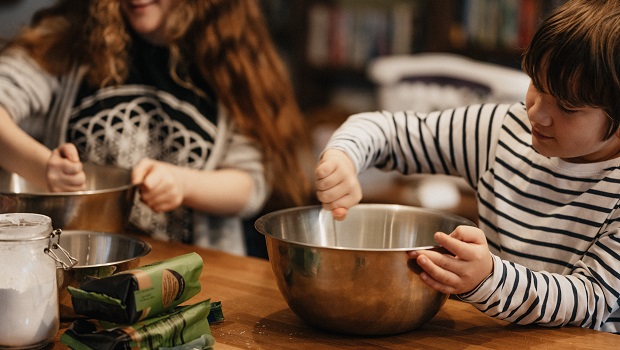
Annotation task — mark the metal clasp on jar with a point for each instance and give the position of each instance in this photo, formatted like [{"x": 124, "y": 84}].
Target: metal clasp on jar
[{"x": 52, "y": 245}]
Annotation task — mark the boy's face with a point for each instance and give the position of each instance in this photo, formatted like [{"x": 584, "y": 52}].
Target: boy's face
[{"x": 574, "y": 134}]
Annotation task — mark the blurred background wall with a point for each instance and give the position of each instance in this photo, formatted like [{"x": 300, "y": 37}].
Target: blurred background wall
[{"x": 16, "y": 13}]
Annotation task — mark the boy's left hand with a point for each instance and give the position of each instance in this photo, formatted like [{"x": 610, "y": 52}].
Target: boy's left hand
[{"x": 459, "y": 273}]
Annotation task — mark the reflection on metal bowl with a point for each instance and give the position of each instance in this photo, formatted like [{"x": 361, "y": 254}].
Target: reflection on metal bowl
[
  {"x": 99, "y": 254},
  {"x": 353, "y": 276},
  {"x": 103, "y": 206}
]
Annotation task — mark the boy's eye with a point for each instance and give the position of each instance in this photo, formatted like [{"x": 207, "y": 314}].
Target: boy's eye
[{"x": 568, "y": 109}]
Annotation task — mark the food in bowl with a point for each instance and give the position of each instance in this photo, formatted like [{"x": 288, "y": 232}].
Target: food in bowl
[{"x": 354, "y": 276}]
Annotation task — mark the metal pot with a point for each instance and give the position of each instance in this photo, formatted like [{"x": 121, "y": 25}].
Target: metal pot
[
  {"x": 354, "y": 276},
  {"x": 103, "y": 206}
]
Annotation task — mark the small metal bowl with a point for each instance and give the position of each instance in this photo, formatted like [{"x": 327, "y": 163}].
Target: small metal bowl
[
  {"x": 354, "y": 276},
  {"x": 99, "y": 254}
]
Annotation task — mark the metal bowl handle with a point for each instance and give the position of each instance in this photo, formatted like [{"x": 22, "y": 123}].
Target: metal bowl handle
[{"x": 56, "y": 245}]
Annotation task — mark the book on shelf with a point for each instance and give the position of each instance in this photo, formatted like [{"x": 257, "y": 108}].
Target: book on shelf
[
  {"x": 350, "y": 36},
  {"x": 503, "y": 24}
]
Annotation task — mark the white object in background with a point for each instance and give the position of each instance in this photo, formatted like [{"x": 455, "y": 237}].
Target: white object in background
[
  {"x": 435, "y": 192},
  {"x": 401, "y": 80}
]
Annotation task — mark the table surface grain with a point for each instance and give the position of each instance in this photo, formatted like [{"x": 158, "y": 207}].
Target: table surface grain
[{"x": 257, "y": 317}]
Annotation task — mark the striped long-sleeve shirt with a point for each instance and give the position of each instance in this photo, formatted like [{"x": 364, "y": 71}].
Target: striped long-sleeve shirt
[{"x": 552, "y": 226}]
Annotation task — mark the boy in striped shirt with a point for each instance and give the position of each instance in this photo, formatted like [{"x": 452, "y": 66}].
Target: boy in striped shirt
[{"x": 546, "y": 172}]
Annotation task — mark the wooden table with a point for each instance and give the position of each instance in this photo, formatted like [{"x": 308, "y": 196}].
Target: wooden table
[{"x": 257, "y": 317}]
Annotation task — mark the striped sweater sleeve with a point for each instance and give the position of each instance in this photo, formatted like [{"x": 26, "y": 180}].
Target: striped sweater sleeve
[
  {"x": 587, "y": 297},
  {"x": 452, "y": 142}
]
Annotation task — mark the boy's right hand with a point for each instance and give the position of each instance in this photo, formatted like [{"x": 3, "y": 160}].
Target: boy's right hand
[
  {"x": 65, "y": 172},
  {"x": 337, "y": 185}
]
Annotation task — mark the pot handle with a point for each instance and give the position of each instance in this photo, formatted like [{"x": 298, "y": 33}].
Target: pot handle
[{"x": 56, "y": 245}]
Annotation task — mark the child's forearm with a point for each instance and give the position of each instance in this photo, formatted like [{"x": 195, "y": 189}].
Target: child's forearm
[{"x": 21, "y": 153}]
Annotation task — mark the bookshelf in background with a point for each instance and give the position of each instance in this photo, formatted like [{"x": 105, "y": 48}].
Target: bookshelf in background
[
  {"x": 328, "y": 43},
  {"x": 348, "y": 34},
  {"x": 340, "y": 37},
  {"x": 497, "y": 29}
]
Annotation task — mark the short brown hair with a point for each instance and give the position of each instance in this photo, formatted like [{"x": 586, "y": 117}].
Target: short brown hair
[{"x": 575, "y": 56}]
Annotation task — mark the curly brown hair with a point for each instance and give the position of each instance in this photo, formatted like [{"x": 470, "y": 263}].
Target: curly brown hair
[{"x": 227, "y": 40}]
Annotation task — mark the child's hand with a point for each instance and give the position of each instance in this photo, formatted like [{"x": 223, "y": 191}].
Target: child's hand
[
  {"x": 470, "y": 265},
  {"x": 159, "y": 187},
  {"x": 337, "y": 185},
  {"x": 65, "y": 172}
]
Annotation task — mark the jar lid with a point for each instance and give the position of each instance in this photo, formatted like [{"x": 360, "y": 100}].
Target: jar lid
[{"x": 24, "y": 226}]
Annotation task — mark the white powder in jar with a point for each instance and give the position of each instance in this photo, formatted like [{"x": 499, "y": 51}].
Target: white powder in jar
[{"x": 28, "y": 317}]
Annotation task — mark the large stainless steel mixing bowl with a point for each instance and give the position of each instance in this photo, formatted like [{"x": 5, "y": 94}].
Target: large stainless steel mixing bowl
[
  {"x": 103, "y": 206},
  {"x": 99, "y": 254},
  {"x": 353, "y": 276}
]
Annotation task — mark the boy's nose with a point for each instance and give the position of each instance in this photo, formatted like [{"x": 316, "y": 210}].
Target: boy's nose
[{"x": 539, "y": 112}]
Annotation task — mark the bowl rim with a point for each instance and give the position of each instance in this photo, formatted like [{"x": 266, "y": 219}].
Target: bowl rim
[
  {"x": 146, "y": 246},
  {"x": 38, "y": 194},
  {"x": 32, "y": 194},
  {"x": 260, "y": 223}
]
